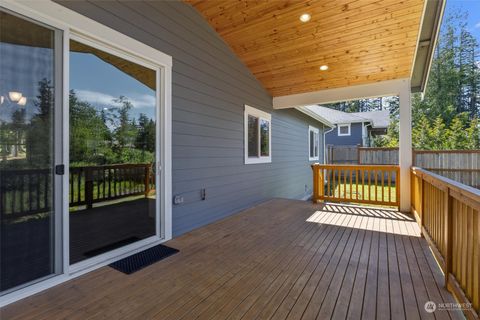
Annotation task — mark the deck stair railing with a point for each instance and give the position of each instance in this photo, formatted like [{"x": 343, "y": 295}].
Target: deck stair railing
[
  {"x": 365, "y": 184},
  {"x": 448, "y": 215}
]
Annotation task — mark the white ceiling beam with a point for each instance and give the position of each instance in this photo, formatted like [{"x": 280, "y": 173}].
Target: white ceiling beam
[{"x": 372, "y": 90}]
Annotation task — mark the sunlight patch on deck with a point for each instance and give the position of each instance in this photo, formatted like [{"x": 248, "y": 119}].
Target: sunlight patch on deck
[{"x": 364, "y": 218}]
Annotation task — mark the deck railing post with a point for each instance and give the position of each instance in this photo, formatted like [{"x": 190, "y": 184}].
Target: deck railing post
[
  {"x": 422, "y": 203},
  {"x": 147, "y": 180},
  {"x": 420, "y": 187},
  {"x": 448, "y": 235},
  {"x": 89, "y": 187},
  {"x": 321, "y": 184},
  {"x": 316, "y": 170},
  {"x": 397, "y": 187}
]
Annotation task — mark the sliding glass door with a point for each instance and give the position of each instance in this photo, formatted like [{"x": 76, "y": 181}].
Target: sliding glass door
[
  {"x": 30, "y": 216},
  {"x": 85, "y": 146},
  {"x": 113, "y": 138}
]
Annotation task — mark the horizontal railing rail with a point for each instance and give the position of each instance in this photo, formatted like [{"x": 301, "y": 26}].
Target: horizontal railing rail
[
  {"x": 367, "y": 184},
  {"x": 448, "y": 215},
  {"x": 93, "y": 184},
  {"x": 26, "y": 192}
]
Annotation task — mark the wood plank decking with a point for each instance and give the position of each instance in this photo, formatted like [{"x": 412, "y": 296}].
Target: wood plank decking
[{"x": 283, "y": 259}]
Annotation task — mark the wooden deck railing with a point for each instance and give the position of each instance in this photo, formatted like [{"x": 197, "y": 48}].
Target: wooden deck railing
[
  {"x": 368, "y": 184},
  {"x": 448, "y": 214},
  {"x": 89, "y": 185},
  {"x": 25, "y": 192},
  {"x": 28, "y": 192}
]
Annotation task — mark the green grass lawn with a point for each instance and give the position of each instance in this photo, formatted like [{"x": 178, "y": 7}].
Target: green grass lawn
[{"x": 364, "y": 192}]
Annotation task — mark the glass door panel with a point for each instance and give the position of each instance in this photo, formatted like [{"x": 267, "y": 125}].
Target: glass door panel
[
  {"x": 28, "y": 218},
  {"x": 112, "y": 151}
]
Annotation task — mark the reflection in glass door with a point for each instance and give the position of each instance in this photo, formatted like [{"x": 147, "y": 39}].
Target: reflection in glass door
[
  {"x": 112, "y": 151},
  {"x": 29, "y": 233}
]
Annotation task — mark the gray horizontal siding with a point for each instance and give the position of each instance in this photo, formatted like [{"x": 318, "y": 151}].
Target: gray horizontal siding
[
  {"x": 209, "y": 90},
  {"x": 352, "y": 140}
]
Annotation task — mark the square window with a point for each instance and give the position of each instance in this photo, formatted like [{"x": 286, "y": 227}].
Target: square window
[{"x": 344, "y": 129}]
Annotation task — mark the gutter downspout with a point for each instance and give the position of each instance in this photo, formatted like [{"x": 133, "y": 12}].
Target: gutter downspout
[
  {"x": 365, "y": 136},
  {"x": 324, "y": 143}
]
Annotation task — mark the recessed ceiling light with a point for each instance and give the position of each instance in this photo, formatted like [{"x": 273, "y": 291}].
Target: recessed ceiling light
[
  {"x": 324, "y": 67},
  {"x": 305, "y": 17}
]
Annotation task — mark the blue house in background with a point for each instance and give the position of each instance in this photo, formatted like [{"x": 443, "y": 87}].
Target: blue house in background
[{"x": 352, "y": 129}]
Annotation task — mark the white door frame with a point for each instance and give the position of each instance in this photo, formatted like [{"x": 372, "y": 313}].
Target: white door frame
[{"x": 70, "y": 22}]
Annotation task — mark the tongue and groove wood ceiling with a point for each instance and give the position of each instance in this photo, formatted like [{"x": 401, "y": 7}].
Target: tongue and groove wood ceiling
[{"x": 361, "y": 41}]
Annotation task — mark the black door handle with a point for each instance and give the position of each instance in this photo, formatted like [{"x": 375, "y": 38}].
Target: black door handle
[{"x": 60, "y": 169}]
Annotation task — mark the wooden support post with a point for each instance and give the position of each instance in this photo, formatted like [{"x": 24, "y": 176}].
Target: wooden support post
[
  {"x": 405, "y": 144},
  {"x": 358, "y": 154}
]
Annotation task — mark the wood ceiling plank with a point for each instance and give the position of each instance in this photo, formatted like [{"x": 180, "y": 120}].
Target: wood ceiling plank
[
  {"x": 322, "y": 40},
  {"x": 338, "y": 18},
  {"x": 362, "y": 41},
  {"x": 314, "y": 86},
  {"x": 387, "y": 49},
  {"x": 279, "y": 17},
  {"x": 301, "y": 75},
  {"x": 338, "y": 68}
]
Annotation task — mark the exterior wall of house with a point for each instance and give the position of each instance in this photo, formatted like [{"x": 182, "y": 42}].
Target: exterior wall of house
[
  {"x": 210, "y": 88},
  {"x": 353, "y": 139}
]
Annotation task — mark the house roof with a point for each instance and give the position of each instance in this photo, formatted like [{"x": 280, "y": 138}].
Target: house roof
[
  {"x": 362, "y": 42},
  {"x": 378, "y": 119}
]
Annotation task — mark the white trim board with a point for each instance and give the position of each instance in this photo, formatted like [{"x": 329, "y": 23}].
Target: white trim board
[
  {"x": 70, "y": 22},
  {"x": 377, "y": 89}
]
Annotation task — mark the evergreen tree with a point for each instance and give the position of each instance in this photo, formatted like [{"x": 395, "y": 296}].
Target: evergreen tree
[
  {"x": 89, "y": 134},
  {"x": 40, "y": 132},
  {"x": 145, "y": 139},
  {"x": 125, "y": 129},
  {"x": 446, "y": 117}
]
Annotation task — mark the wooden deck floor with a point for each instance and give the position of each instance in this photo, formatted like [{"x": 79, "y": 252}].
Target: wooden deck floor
[{"x": 283, "y": 259}]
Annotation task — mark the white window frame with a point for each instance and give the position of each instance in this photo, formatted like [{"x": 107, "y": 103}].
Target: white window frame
[
  {"x": 315, "y": 131},
  {"x": 349, "y": 125},
  {"x": 261, "y": 115},
  {"x": 75, "y": 25}
]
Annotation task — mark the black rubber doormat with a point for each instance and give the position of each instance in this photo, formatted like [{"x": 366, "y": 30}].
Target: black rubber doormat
[{"x": 143, "y": 259}]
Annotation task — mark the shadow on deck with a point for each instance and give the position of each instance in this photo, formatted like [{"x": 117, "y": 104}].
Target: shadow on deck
[{"x": 281, "y": 259}]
